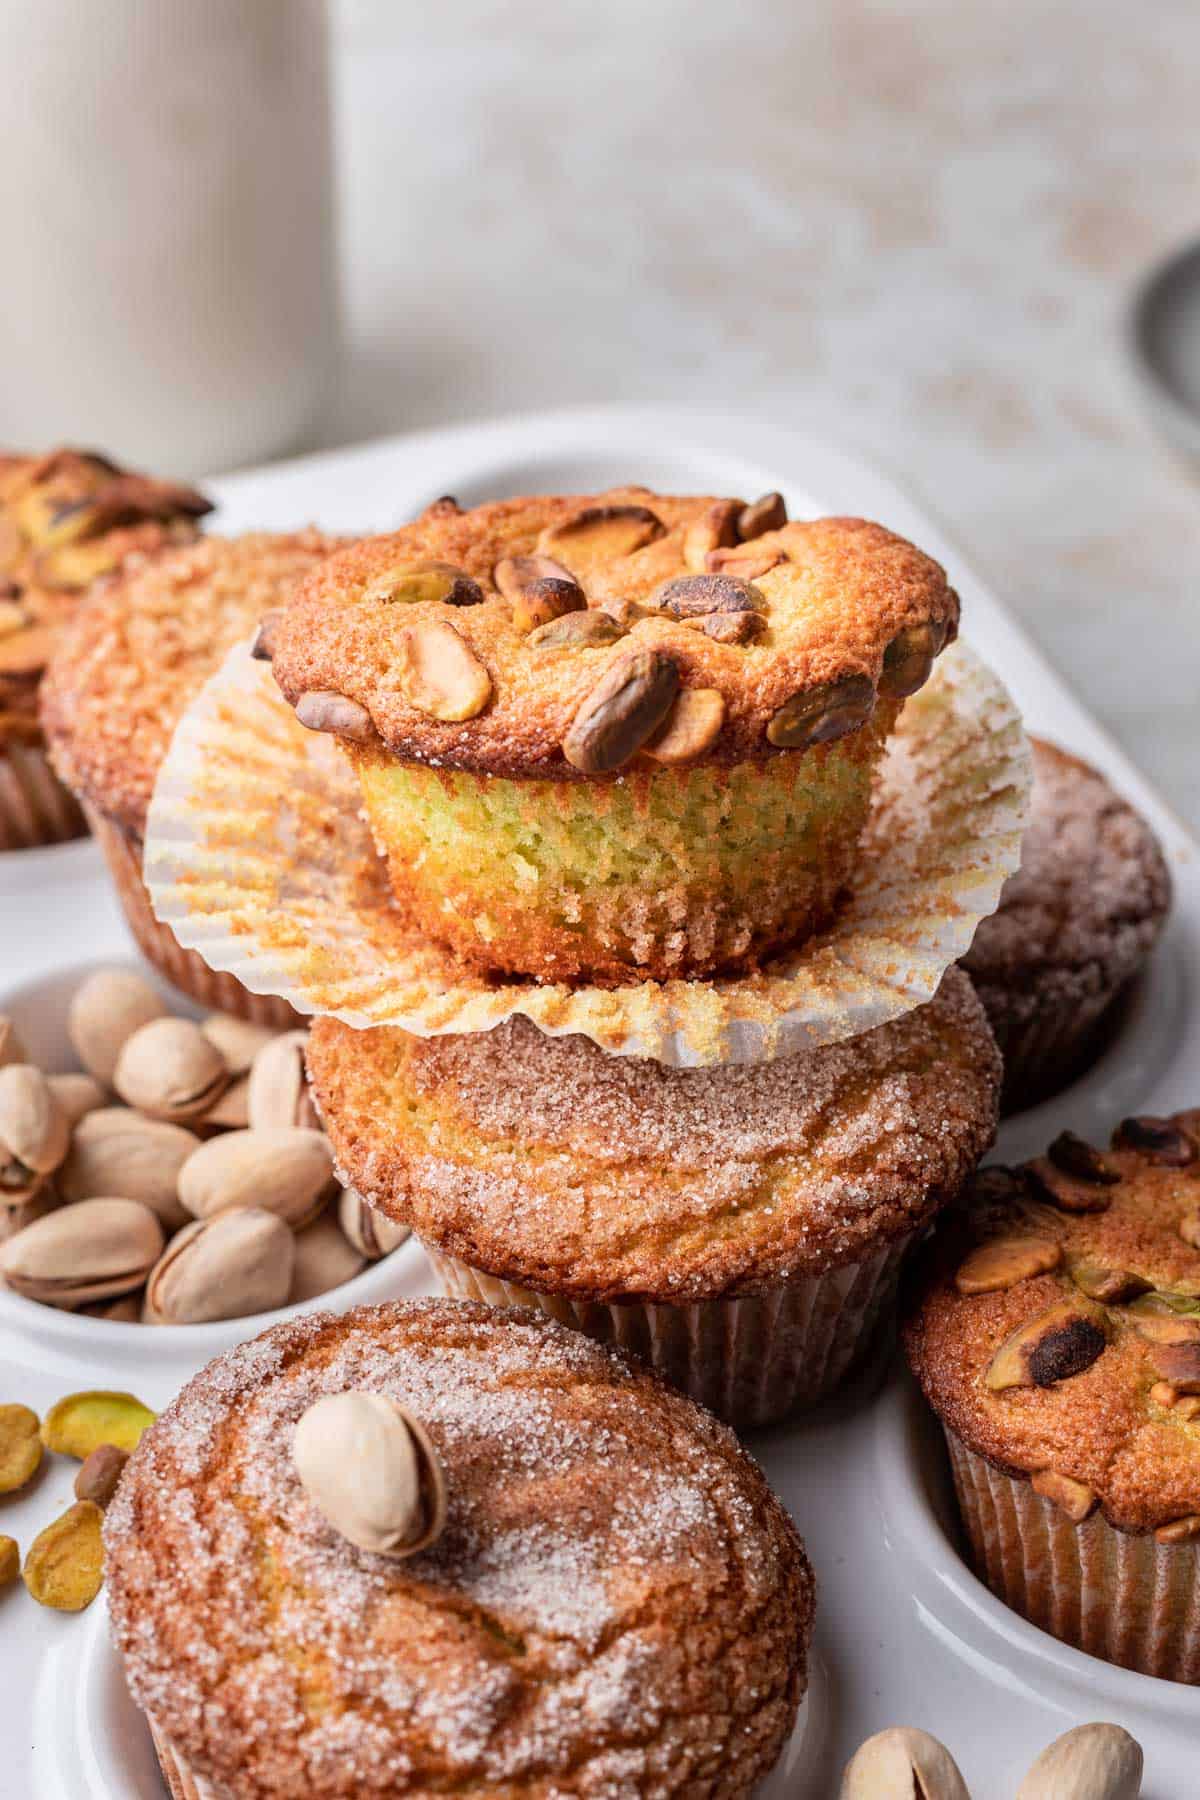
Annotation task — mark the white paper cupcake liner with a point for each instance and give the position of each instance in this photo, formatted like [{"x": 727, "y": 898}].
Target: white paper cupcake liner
[
  {"x": 258, "y": 859},
  {"x": 182, "y": 1784}
]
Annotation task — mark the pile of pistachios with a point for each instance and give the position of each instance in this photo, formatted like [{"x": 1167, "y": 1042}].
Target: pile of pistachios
[{"x": 182, "y": 1177}]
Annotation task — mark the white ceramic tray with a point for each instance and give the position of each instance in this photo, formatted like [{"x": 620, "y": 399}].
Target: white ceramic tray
[{"x": 905, "y": 1633}]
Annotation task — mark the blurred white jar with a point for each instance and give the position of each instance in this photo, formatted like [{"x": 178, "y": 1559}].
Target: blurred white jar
[{"x": 166, "y": 228}]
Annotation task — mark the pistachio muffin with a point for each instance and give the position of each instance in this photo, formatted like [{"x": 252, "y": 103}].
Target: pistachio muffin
[
  {"x": 124, "y": 672},
  {"x": 622, "y": 736},
  {"x": 740, "y": 1227},
  {"x": 1074, "y": 926},
  {"x": 429, "y": 1548},
  {"x": 67, "y": 519},
  {"x": 1054, "y": 1325}
]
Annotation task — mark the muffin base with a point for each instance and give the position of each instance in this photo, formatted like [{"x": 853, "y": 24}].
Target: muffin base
[
  {"x": 182, "y": 1784},
  {"x": 35, "y": 808},
  {"x": 751, "y": 1360},
  {"x": 1051, "y": 1044},
  {"x": 1128, "y": 1600},
  {"x": 184, "y": 969}
]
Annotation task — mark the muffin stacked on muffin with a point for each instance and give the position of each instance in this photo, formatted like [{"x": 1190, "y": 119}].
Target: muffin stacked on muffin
[
  {"x": 436, "y": 1547},
  {"x": 1054, "y": 1325},
  {"x": 124, "y": 672},
  {"x": 67, "y": 519}
]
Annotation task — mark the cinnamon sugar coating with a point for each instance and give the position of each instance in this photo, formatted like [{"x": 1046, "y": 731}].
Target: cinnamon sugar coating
[
  {"x": 142, "y": 646},
  {"x": 546, "y": 1162},
  {"x": 617, "y": 1606},
  {"x": 838, "y": 595},
  {"x": 1113, "y": 1426}
]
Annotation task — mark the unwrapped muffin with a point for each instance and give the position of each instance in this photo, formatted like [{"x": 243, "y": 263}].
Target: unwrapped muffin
[
  {"x": 1054, "y": 1325},
  {"x": 67, "y": 519},
  {"x": 619, "y": 736},
  {"x": 609, "y": 1599},
  {"x": 740, "y": 1227},
  {"x": 1074, "y": 926},
  {"x": 124, "y": 672}
]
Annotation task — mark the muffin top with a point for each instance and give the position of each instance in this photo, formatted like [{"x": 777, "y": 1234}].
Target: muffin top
[
  {"x": 545, "y": 1161},
  {"x": 142, "y": 646},
  {"x": 1054, "y": 1324},
  {"x": 1087, "y": 902},
  {"x": 616, "y": 1604},
  {"x": 66, "y": 520},
  {"x": 561, "y": 636}
]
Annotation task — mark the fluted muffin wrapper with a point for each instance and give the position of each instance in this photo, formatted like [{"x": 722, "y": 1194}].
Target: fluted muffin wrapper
[
  {"x": 210, "y": 988},
  {"x": 35, "y": 808},
  {"x": 182, "y": 1783},
  {"x": 1050, "y": 1049},
  {"x": 752, "y": 1359},
  {"x": 1129, "y": 1600},
  {"x": 258, "y": 859}
]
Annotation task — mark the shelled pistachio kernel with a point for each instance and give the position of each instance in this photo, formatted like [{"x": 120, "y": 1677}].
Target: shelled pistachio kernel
[
  {"x": 600, "y": 534},
  {"x": 170, "y": 1070},
  {"x": 369, "y": 1467},
  {"x": 626, "y": 707},
  {"x": 590, "y": 630},
  {"x": 1161, "y": 1141},
  {"x": 432, "y": 583},
  {"x": 822, "y": 714},
  {"x": 80, "y": 1423},
  {"x": 439, "y": 674},
  {"x": 99, "y": 1474},
  {"x": 1003, "y": 1262},
  {"x": 1099, "y": 1282},
  {"x": 20, "y": 1447},
  {"x": 105, "y": 1011},
  {"x": 1075, "y": 1498},
  {"x": 64, "y": 1565},
  {"x": 10, "y": 1561},
  {"x": 1056, "y": 1344},
  {"x": 692, "y": 726}
]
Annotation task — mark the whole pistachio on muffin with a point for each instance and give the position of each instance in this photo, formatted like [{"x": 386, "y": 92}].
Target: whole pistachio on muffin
[
  {"x": 431, "y": 1547},
  {"x": 621, "y": 735}
]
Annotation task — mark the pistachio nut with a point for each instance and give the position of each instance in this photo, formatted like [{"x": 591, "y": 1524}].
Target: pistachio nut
[
  {"x": 118, "y": 1151},
  {"x": 12, "y": 1050},
  {"x": 748, "y": 562},
  {"x": 1184, "y": 1406},
  {"x": 1159, "y": 1324},
  {"x": 1099, "y": 1282},
  {"x": 262, "y": 649},
  {"x": 589, "y": 630},
  {"x": 822, "y": 714},
  {"x": 767, "y": 513},
  {"x": 692, "y": 726},
  {"x": 79, "y": 1423},
  {"x": 1003, "y": 1262},
  {"x": 908, "y": 661},
  {"x": 438, "y": 583},
  {"x": 238, "y": 1040},
  {"x": 279, "y": 1094},
  {"x": 170, "y": 1070},
  {"x": 1179, "y": 1531},
  {"x": 125, "y": 1310},
  {"x": 106, "y": 1009},
  {"x": 695, "y": 596},
  {"x": 323, "y": 709},
  {"x": 99, "y": 1474},
  {"x": 624, "y": 709},
  {"x": 1060, "y": 1342},
  {"x": 439, "y": 674},
  {"x": 1067, "y": 1193},
  {"x": 284, "y": 1170},
  {"x": 16, "y": 1218},
  {"x": 10, "y": 1561},
  {"x": 902, "y": 1764},
  {"x": 717, "y": 530},
  {"x": 231, "y": 1112},
  {"x": 626, "y": 611},
  {"x": 64, "y": 1565},
  {"x": 1075, "y": 1498},
  {"x": 91, "y": 1251},
  {"x": 600, "y": 534},
  {"x": 540, "y": 602},
  {"x": 1159, "y": 1140},
  {"x": 369, "y": 1230},
  {"x": 34, "y": 1131},
  {"x": 77, "y": 1095},
  {"x": 731, "y": 628},
  {"x": 325, "y": 1258},
  {"x": 20, "y": 1447},
  {"x": 369, "y": 1467},
  {"x": 226, "y": 1267},
  {"x": 1075, "y": 1156},
  {"x": 513, "y": 573},
  {"x": 1179, "y": 1364},
  {"x": 1091, "y": 1762}
]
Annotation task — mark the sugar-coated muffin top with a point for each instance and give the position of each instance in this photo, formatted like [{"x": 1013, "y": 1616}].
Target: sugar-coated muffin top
[
  {"x": 617, "y": 1603},
  {"x": 142, "y": 646},
  {"x": 68, "y": 519},
  {"x": 547, "y": 1162},
  {"x": 561, "y": 636},
  {"x": 1054, "y": 1324},
  {"x": 1086, "y": 905}
]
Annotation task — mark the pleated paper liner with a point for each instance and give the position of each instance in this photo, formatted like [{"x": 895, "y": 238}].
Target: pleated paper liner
[
  {"x": 257, "y": 858},
  {"x": 35, "y": 808}
]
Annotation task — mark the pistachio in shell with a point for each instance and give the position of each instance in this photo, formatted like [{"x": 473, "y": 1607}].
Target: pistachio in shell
[
  {"x": 227, "y": 1267},
  {"x": 238, "y": 1040},
  {"x": 12, "y": 1050},
  {"x": 283, "y": 1170},
  {"x": 34, "y": 1130},
  {"x": 371, "y": 1232},
  {"x": 170, "y": 1070},
  {"x": 77, "y": 1095},
  {"x": 1056, "y": 1344},
  {"x": 370, "y": 1469},
  {"x": 1090, "y": 1762},
  {"x": 906, "y": 1763},
  {"x": 116, "y": 1150},
  {"x": 278, "y": 1093},
  {"x": 822, "y": 714},
  {"x": 64, "y": 1565},
  {"x": 105, "y": 1010},
  {"x": 76, "y": 1254},
  {"x": 80, "y": 1423}
]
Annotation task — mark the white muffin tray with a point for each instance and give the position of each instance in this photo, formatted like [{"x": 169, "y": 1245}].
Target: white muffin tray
[{"x": 905, "y": 1633}]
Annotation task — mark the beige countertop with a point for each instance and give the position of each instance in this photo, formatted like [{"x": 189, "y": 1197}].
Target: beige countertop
[{"x": 911, "y": 227}]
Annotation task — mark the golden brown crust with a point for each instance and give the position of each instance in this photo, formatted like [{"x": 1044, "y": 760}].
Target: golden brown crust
[
  {"x": 68, "y": 519},
  {"x": 839, "y": 594},
  {"x": 1139, "y": 1453},
  {"x": 546, "y": 1162},
  {"x": 142, "y": 646},
  {"x": 617, "y": 1606}
]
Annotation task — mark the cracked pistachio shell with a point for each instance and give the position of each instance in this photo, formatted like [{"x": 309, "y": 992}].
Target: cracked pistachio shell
[
  {"x": 91, "y": 1251},
  {"x": 278, "y": 1093},
  {"x": 34, "y": 1129},
  {"x": 227, "y": 1267},
  {"x": 105, "y": 1010},
  {"x": 369, "y": 1230},
  {"x": 368, "y": 1466},
  {"x": 287, "y": 1171},
  {"x": 1092, "y": 1762},
  {"x": 170, "y": 1070},
  {"x": 118, "y": 1151},
  {"x": 902, "y": 1764}
]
